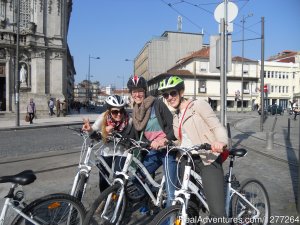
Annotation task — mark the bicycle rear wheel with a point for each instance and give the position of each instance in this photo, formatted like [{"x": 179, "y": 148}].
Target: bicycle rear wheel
[
  {"x": 53, "y": 209},
  {"x": 254, "y": 191},
  {"x": 79, "y": 189},
  {"x": 103, "y": 209}
]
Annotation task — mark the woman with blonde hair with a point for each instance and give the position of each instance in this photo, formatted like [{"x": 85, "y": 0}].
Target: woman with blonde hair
[{"x": 114, "y": 119}]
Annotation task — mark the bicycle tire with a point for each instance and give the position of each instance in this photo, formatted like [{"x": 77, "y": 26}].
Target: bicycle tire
[
  {"x": 258, "y": 197},
  {"x": 164, "y": 215},
  {"x": 94, "y": 214},
  {"x": 79, "y": 189},
  {"x": 53, "y": 209}
]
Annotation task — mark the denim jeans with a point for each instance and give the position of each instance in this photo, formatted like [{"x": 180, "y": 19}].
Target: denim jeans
[{"x": 153, "y": 160}]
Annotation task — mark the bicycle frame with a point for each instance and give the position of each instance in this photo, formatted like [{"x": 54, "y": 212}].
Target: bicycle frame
[
  {"x": 183, "y": 195},
  {"x": 124, "y": 173},
  {"x": 9, "y": 204},
  {"x": 188, "y": 186},
  {"x": 85, "y": 166},
  {"x": 156, "y": 201}
]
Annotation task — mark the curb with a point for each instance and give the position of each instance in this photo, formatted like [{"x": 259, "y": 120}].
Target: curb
[{"x": 44, "y": 125}]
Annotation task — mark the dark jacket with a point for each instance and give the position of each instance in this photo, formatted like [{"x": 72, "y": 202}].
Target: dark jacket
[{"x": 165, "y": 119}]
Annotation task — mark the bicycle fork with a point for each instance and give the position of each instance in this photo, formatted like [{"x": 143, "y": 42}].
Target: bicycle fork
[
  {"x": 110, "y": 198},
  {"x": 183, "y": 191},
  {"x": 122, "y": 182}
]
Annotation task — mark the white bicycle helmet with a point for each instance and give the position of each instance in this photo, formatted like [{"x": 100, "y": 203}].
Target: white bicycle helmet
[{"x": 115, "y": 101}]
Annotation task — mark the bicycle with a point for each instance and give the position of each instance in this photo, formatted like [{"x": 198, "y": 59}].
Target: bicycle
[
  {"x": 51, "y": 209},
  {"x": 86, "y": 161},
  {"x": 245, "y": 203},
  {"x": 106, "y": 208}
]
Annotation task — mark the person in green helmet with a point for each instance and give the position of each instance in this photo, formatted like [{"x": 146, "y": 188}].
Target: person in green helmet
[{"x": 195, "y": 122}]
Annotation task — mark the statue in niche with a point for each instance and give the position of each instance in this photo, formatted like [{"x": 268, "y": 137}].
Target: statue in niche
[{"x": 23, "y": 76}]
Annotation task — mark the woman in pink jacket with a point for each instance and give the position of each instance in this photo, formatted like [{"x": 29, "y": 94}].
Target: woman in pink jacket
[{"x": 194, "y": 122}]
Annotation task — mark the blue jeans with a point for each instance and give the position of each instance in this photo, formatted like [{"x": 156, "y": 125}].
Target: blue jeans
[{"x": 153, "y": 160}]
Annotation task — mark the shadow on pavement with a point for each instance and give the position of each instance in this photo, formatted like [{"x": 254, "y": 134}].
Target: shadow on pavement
[
  {"x": 291, "y": 158},
  {"x": 241, "y": 137}
]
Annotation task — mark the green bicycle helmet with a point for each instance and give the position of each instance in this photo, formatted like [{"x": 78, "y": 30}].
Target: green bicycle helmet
[{"x": 172, "y": 82}]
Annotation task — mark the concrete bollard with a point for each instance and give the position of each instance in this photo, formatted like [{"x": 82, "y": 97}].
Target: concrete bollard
[{"x": 270, "y": 140}]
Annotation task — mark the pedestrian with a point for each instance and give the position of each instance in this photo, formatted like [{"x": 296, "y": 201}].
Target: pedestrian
[
  {"x": 115, "y": 118},
  {"x": 31, "y": 110},
  {"x": 51, "y": 107},
  {"x": 295, "y": 110},
  {"x": 57, "y": 108},
  {"x": 195, "y": 123},
  {"x": 64, "y": 107},
  {"x": 153, "y": 121},
  {"x": 78, "y": 106}
]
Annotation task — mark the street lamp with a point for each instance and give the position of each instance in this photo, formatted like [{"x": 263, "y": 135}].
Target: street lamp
[
  {"x": 242, "y": 85},
  {"x": 89, "y": 77},
  {"x": 17, "y": 78},
  {"x": 130, "y": 60}
]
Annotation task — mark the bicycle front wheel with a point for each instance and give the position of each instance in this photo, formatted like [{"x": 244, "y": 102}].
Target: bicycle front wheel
[
  {"x": 105, "y": 209},
  {"x": 173, "y": 215},
  {"x": 53, "y": 209},
  {"x": 254, "y": 191}
]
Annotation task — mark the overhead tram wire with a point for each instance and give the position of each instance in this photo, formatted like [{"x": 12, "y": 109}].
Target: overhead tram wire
[{"x": 171, "y": 6}]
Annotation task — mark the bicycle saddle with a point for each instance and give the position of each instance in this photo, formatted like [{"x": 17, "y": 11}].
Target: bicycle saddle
[
  {"x": 239, "y": 152},
  {"x": 23, "y": 178}
]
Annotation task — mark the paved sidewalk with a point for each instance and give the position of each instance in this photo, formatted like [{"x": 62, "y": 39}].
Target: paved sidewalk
[{"x": 48, "y": 121}]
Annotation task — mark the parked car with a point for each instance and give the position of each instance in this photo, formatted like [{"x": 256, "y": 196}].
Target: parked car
[{"x": 275, "y": 109}]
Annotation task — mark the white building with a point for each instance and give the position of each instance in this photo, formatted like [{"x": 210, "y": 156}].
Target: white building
[
  {"x": 201, "y": 83},
  {"x": 283, "y": 80}
]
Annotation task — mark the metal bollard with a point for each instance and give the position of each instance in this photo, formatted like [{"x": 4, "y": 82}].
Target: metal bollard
[{"x": 270, "y": 140}]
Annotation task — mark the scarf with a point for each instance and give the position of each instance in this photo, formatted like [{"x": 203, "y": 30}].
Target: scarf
[
  {"x": 141, "y": 113},
  {"x": 119, "y": 126}
]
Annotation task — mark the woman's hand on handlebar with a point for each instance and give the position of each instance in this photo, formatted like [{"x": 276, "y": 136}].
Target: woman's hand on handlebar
[
  {"x": 218, "y": 147},
  {"x": 157, "y": 144}
]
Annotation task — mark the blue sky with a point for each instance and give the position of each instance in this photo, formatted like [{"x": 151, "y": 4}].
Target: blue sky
[{"x": 115, "y": 30}]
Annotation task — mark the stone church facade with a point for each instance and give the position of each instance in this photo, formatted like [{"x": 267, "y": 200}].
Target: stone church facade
[{"x": 46, "y": 67}]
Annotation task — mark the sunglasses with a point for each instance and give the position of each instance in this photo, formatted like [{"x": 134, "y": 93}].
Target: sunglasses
[
  {"x": 116, "y": 112},
  {"x": 172, "y": 93}
]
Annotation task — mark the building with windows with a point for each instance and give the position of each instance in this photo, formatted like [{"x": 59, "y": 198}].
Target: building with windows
[
  {"x": 201, "y": 83},
  {"x": 283, "y": 80},
  {"x": 46, "y": 68},
  {"x": 161, "y": 53}
]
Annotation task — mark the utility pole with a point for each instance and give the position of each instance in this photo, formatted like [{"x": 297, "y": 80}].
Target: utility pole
[
  {"x": 242, "y": 84},
  {"x": 89, "y": 76},
  {"x": 17, "y": 78},
  {"x": 223, "y": 74},
  {"x": 262, "y": 100},
  {"x": 194, "y": 70},
  {"x": 243, "y": 38}
]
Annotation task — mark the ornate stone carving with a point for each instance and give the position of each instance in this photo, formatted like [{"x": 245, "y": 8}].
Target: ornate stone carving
[
  {"x": 31, "y": 27},
  {"x": 58, "y": 7},
  {"x": 41, "y": 5},
  {"x": 50, "y": 6},
  {"x": 39, "y": 54},
  {"x": 57, "y": 55}
]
